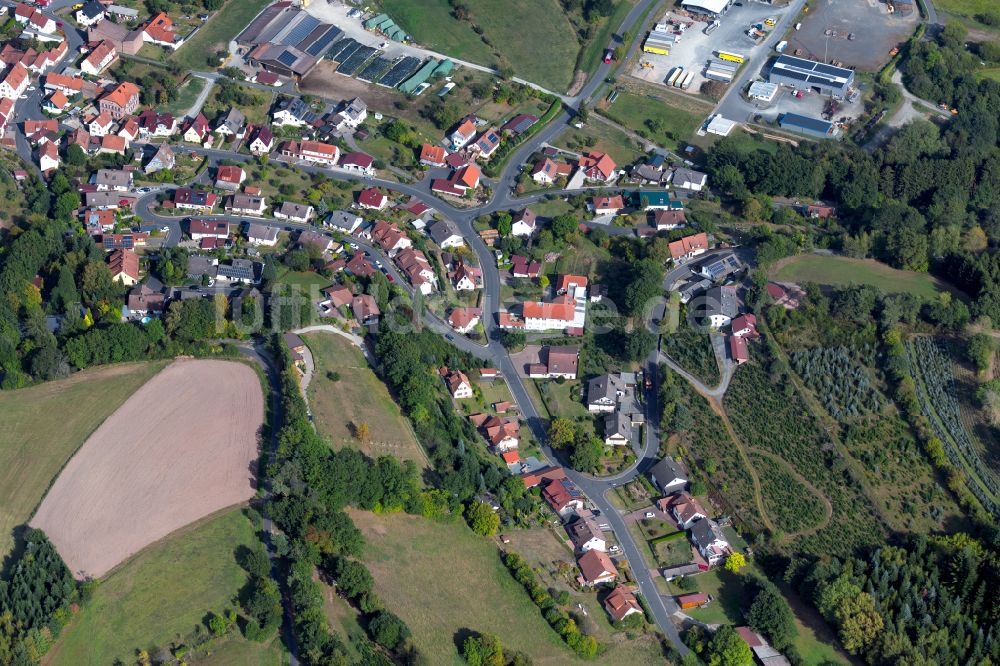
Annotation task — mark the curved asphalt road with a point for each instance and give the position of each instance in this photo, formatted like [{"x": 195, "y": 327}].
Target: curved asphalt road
[{"x": 494, "y": 353}]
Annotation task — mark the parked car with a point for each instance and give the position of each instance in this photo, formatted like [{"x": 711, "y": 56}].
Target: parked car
[{"x": 650, "y": 514}]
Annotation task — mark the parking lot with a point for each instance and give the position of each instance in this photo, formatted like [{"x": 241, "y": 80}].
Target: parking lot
[
  {"x": 811, "y": 104},
  {"x": 875, "y": 33},
  {"x": 695, "y": 48}
]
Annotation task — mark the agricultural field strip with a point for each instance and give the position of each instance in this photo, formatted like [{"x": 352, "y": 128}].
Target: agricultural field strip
[{"x": 935, "y": 389}]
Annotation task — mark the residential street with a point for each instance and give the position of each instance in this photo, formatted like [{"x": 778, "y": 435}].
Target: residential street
[{"x": 493, "y": 352}]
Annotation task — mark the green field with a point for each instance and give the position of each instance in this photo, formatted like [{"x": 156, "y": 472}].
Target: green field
[
  {"x": 44, "y": 426},
  {"x": 604, "y": 138},
  {"x": 443, "y": 580},
  {"x": 634, "y": 111},
  {"x": 305, "y": 280},
  {"x": 163, "y": 595},
  {"x": 187, "y": 94},
  {"x": 830, "y": 270},
  {"x": 358, "y": 396},
  {"x": 216, "y": 34},
  {"x": 968, "y": 8},
  {"x": 533, "y": 35}
]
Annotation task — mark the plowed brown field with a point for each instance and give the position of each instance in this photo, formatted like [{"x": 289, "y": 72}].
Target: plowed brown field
[{"x": 181, "y": 447}]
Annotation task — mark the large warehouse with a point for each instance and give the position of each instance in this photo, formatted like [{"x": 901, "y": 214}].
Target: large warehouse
[
  {"x": 707, "y": 7},
  {"x": 809, "y": 74},
  {"x": 286, "y": 40}
]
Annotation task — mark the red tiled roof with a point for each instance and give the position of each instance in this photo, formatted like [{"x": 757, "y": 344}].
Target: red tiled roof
[
  {"x": 686, "y": 245},
  {"x": 432, "y": 154}
]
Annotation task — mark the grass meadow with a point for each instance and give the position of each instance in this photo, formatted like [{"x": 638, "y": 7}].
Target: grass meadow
[
  {"x": 831, "y": 270},
  {"x": 44, "y": 425},
  {"x": 163, "y": 595}
]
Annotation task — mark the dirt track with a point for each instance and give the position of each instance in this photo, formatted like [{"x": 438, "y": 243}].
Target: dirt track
[{"x": 181, "y": 447}]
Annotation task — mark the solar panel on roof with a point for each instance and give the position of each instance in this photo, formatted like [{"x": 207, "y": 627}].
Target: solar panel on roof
[
  {"x": 798, "y": 76},
  {"x": 301, "y": 31},
  {"x": 323, "y": 43},
  {"x": 831, "y": 70},
  {"x": 287, "y": 58}
]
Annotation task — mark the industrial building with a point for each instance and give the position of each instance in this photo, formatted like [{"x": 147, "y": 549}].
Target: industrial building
[
  {"x": 286, "y": 40},
  {"x": 763, "y": 91},
  {"x": 809, "y": 74},
  {"x": 707, "y": 7},
  {"x": 659, "y": 41},
  {"x": 793, "y": 122}
]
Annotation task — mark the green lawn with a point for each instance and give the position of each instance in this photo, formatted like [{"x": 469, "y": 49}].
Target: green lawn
[
  {"x": 216, "y": 34},
  {"x": 535, "y": 36},
  {"x": 603, "y": 138},
  {"x": 443, "y": 581},
  {"x": 163, "y": 595},
  {"x": 991, "y": 73},
  {"x": 634, "y": 111},
  {"x": 358, "y": 396},
  {"x": 304, "y": 279},
  {"x": 832, "y": 270},
  {"x": 34, "y": 446},
  {"x": 255, "y": 111},
  {"x": 968, "y": 8},
  {"x": 188, "y": 93}
]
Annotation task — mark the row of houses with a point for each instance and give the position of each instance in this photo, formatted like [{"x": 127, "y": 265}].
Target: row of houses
[{"x": 566, "y": 311}]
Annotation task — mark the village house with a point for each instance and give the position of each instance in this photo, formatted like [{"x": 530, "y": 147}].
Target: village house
[
  {"x": 68, "y": 85},
  {"x": 459, "y": 386},
  {"x": 466, "y": 277},
  {"x": 132, "y": 240},
  {"x": 596, "y": 568},
  {"x": 688, "y": 179},
  {"x": 620, "y": 603},
  {"x": 502, "y": 433},
  {"x": 597, "y": 167},
  {"x": 389, "y": 237},
  {"x": 686, "y": 510},
  {"x": 242, "y": 271},
  {"x": 560, "y": 361},
  {"x": 668, "y": 220},
  {"x": 246, "y": 204},
  {"x": 115, "y": 180},
  {"x": 15, "y": 81},
  {"x": 153, "y": 124},
  {"x": 519, "y": 124},
  {"x": 463, "y": 179},
  {"x": 336, "y": 296},
  {"x": 48, "y": 158},
  {"x": 711, "y": 543},
  {"x": 261, "y": 140},
  {"x": 418, "y": 270},
  {"x": 446, "y": 234},
  {"x": 101, "y": 124},
  {"x": 364, "y": 308},
  {"x": 100, "y": 58},
  {"x": 294, "y": 212},
  {"x": 319, "y": 241},
  {"x": 739, "y": 352},
  {"x": 262, "y": 234},
  {"x": 230, "y": 123},
  {"x": 547, "y": 171},
  {"x": 520, "y": 267},
  {"x": 124, "y": 267},
  {"x": 689, "y": 247},
  {"x": 432, "y": 156},
  {"x": 563, "y": 497},
  {"x": 606, "y": 205},
  {"x": 159, "y": 30},
  {"x": 162, "y": 160},
  {"x": 229, "y": 178},
  {"x": 122, "y": 101},
  {"x": 523, "y": 223},
  {"x": 343, "y": 221},
  {"x": 124, "y": 39},
  {"x": 721, "y": 305},
  {"x": 186, "y": 198},
  {"x": 745, "y": 325},
  {"x": 196, "y": 129},
  {"x": 486, "y": 144},
  {"x": 293, "y": 112},
  {"x": 586, "y": 535},
  {"x": 143, "y": 301},
  {"x": 463, "y": 133},
  {"x": 199, "y": 229},
  {"x": 372, "y": 198},
  {"x": 360, "y": 163},
  {"x": 98, "y": 221},
  {"x": 352, "y": 114},
  {"x": 91, "y": 13},
  {"x": 464, "y": 320},
  {"x": 359, "y": 266},
  {"x": 668, "y": 476}
]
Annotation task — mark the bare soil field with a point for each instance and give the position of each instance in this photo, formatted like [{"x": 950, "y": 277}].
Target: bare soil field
[{"x": 181, "y": 447}]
